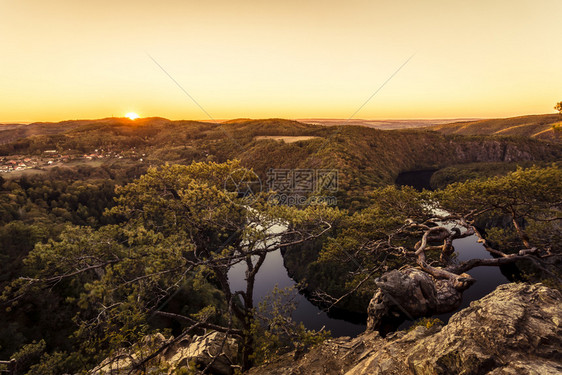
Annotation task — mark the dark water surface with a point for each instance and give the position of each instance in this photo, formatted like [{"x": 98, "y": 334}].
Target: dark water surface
[
  {"x": 487, "y": 278},
  {"x": 273, "y": 273},
  {"x": 417, "y": 179}
]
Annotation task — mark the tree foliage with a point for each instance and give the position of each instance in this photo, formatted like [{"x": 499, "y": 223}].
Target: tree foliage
[
  {"x": 521, "y": 214},
  {"x": 159, "y": 258},
  {"x": 179, "y": 228}
]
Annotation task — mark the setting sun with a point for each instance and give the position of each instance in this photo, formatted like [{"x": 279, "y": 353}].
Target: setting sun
[{"x": 132, "y": 115}]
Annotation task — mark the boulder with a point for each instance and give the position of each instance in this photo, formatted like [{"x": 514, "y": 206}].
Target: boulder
[
  {"x": 412, "y": 293},
  {"x": 517, "y": 329},
  {"x": 212, "y": 349},
  {"x": 123, "y": 360},
  {"x": 202, "y": 350}
]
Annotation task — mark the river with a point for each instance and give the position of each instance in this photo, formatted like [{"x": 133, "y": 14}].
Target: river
[
  {"x": 487, "y": 278},
  {"x": 273, "y": 273}
]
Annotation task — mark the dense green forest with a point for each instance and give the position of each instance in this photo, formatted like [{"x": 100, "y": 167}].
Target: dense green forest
[{"x": 97, "y": 255}]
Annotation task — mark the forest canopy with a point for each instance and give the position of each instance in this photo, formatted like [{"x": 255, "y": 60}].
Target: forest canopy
[{"x": 158, "y": 259}]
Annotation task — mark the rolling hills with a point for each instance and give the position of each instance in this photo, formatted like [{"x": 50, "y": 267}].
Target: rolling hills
[
  {"x": 392, "y": 124},
  {"x": 364, "y": 157},
  {"x": 535, "y": 126}
]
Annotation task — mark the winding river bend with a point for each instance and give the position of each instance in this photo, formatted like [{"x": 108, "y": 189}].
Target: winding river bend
[
  {"x": 273, "y": 273},
  {"x": 487, "y": 278}
]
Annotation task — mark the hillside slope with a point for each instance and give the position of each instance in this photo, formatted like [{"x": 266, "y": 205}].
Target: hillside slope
[
  {"x": 535, "y": 126},
  {"x": 364, "y": 157}
]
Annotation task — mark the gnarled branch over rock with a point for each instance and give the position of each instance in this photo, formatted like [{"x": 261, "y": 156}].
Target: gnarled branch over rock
[
  {"x": 430, "y": 290},
  {"x": 413, "y": 293}
]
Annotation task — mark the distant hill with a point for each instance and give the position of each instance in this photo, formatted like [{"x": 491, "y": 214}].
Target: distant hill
[
  {"x": 381, "y": 124},
  {"x": 280, "y": 141},
  {"x": 147, "y": 128},
  {"x": 364, "y": 157},
  {"x": 535, "y": 126}
]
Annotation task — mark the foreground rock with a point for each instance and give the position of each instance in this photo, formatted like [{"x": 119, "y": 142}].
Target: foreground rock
[
  {"x": 212, "y": 350},
  {"x": 517, "y": 329},
  {"x": 412, "y": 293}
]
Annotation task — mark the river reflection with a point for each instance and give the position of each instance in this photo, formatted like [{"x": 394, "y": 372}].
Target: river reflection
[
  {"x": 272, "y": 273},
  {"x": 487, "y": 277}
]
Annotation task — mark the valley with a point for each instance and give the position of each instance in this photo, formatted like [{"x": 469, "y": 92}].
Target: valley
[{"x": 69, "y": 182}]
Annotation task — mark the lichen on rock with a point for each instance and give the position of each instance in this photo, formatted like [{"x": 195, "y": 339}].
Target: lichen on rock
[
  {"x": 412, "y": 293},
  {"x": 517, "y": 329}
]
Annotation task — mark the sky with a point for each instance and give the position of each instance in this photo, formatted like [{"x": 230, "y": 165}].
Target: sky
[{"x": 183, "y": 59}]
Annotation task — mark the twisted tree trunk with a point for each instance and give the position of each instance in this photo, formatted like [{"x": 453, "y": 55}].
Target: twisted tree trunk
[{"x": 427, "y": 290}]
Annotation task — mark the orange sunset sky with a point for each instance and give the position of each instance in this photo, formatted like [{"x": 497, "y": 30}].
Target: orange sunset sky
[{"x": 64, "y": 59}]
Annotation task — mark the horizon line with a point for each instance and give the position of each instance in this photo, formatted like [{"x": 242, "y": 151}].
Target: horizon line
[{"x": 470, "y": 118}]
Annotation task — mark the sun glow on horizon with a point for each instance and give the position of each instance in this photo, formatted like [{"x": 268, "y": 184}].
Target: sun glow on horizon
[
  {"x": 132, "y": 116},
  {"x": 283, "y": 59}
]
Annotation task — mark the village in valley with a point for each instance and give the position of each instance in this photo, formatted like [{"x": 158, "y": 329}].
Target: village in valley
[{"x": 51, "y": 158}]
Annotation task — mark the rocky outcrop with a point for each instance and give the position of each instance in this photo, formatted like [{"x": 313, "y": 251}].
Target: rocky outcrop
[
  {"x": 412, "y": 293},
  {"x": 212, "y": 350},
  {"x": 493, "y": 150},
  {"x": 517, "y": 329}
]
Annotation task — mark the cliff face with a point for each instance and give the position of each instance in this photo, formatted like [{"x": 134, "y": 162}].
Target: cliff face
[
  {"x": 496, "y": 150},
  {"x": 517, "y": 329}
]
